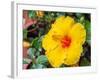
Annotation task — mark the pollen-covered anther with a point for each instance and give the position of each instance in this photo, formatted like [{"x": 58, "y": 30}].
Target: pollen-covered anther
[{"x": 66, "y": 41}]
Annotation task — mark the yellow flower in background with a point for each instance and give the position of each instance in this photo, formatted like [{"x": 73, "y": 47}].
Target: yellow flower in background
[
  {"x": 63, "y": 43},
  {"x": 26, "y": 44},
  {"x": 40, "y": 13}
]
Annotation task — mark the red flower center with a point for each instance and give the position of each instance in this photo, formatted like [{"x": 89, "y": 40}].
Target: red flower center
[{"x": 65, "y": 42}]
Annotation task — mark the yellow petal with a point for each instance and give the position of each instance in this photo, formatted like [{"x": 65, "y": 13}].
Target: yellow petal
[
  {"x": 48, "y": 43},
  {"x": 62, "y": 25},
  {"x": 56, "y": 56},
  {"x": 68, "y": 22},
  {"x": 73, "y": 54},
  {"x": 78, "y": 33},
  {"x": 59, "y": 20}
]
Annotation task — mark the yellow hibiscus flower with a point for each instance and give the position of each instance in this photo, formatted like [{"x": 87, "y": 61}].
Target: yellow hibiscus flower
[{"x": 63, "y": 43}]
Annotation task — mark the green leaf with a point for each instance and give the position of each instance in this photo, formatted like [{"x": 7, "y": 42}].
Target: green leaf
[
  {"x": 25, "y": 34},
  {"x": 52, "y": 14},
  {"x": 41, "y": 31},
  {"x": 36, "y": 43},
  {"x": 37, "y": 53},
  {"x": 33, "y": 66},
  {"x": 60, "y": 14},
  {"x": 79, "y": 15},
  {"x": 42, "y": 59},
  {"x": 88, "y": 29},
  {"x": 37, "y": 66},
  {"x": 26, "y": 61},
  {"x": 84, "y": 62},
  {"x": 82, "y": 19},
  {"x": 32, "y": 14},
  {"x": 88, "y": 41},
  {"x": 31, "y": 53}
]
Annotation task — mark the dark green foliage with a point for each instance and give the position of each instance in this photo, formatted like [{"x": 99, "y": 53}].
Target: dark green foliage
[{"x": 84, "y": 62}]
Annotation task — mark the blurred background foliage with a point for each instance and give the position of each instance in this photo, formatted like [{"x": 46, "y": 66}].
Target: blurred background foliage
[{"x": 36, "y": 24}]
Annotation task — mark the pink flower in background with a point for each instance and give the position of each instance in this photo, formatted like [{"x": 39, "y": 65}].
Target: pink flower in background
[
  {"x": 25, "y": 66},
  {"x": 26, "y": 20}
]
